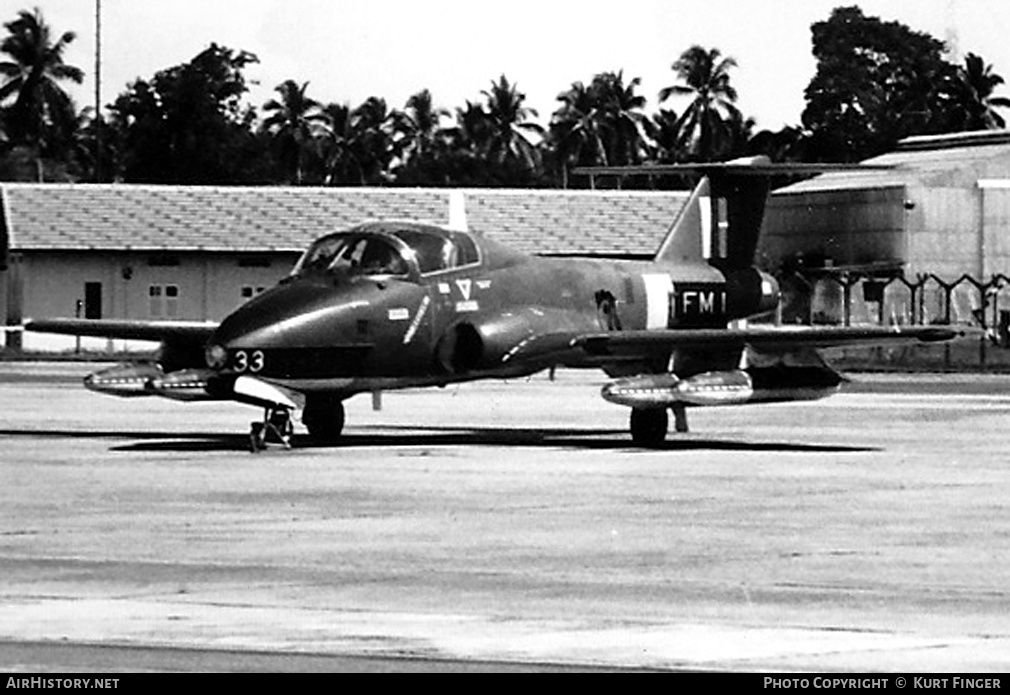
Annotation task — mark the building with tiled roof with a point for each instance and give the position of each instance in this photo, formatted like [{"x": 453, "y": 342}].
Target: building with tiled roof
[
  {"x": 155, "y": 252},
  {"x": 234, "y": 219}
]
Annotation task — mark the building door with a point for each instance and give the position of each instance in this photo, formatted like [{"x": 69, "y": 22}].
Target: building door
[{"x": 92, "y": 300}]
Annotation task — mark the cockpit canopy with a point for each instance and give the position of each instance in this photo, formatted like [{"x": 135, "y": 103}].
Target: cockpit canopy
[{"x": 383, "y": 249}]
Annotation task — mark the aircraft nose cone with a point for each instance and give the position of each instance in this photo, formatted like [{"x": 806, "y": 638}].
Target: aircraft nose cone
[
  {"x": 277, "y": 316},
  {"x": 303, "y": 329}
]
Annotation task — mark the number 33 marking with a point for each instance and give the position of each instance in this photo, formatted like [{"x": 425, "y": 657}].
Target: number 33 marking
[{"x": 246, "y": 362}]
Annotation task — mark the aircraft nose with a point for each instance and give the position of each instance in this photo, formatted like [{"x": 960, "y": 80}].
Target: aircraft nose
[
  {"x": 279, "y": 314},
  {"x": 298, "y": 330}
]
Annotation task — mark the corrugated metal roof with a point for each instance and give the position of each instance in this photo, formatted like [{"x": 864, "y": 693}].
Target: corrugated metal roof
[
  {"x": 951, "y": 160},
  {"x": 191, "y": 218}
]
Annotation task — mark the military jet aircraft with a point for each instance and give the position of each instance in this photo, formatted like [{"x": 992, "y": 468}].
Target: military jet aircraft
[{"x": 394, "y": 305}]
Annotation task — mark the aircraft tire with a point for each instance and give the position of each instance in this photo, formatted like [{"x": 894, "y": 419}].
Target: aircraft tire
[
  {"x": 323, "y": 417},
  {"x": 649, "y": 426}
]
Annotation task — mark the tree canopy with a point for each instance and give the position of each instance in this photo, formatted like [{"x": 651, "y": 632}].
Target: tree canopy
[
  {"x": 876, "y": 82},
  {"x": 188, "y": 124}
]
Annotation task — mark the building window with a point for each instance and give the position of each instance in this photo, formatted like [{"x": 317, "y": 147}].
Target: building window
[
  {"x": 163, "y": 261},
  {"x": 254, "y": 262},
  {"x": 164, "y": 301}
]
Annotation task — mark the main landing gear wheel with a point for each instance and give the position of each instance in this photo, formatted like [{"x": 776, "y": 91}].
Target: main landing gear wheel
[
  {"x": 276, "y": 427},
  {"x": 324, "y": 418},
  {"x": 648, "y": 426}
]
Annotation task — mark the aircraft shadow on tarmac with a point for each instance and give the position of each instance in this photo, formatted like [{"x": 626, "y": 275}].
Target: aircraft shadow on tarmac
[{"x": 388, "y": 436}]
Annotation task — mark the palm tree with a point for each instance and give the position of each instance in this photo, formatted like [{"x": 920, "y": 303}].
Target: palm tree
[
  {"x": 666, "y": 124},
  {"x": 601, "y": 124},
  {"x": 419, "y": 125},
  {"x": 465, "y": 158},
  {"x": 574, "y": 129},
  {"x": 373, "y": 127},
  {"x": 294, "y": 123},
  {"x": 974, "y": 106},
  {"x": 625, "y": 126},
  {"x": 473, "y": 130},
  {"x": 510, "y": 133},
  {"x": 357, "y": 144},
  {"x": 419, "y": 140},
  {"x": 32, "y": 78},
  {"x": 704, "y": 126},
  {"x": 340, "y": 161}
]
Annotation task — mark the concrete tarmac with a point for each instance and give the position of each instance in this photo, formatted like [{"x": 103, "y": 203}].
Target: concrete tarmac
[{"x": 510, "y": 523}]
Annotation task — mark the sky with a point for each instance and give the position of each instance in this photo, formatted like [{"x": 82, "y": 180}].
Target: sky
[{"x": 349, "y": 50}]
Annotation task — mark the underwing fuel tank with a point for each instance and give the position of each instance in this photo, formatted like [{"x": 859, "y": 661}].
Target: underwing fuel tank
[
  {"x": 662, "y": 390},
  {"x": 185, "y": 385},
  {"x": 124, "y": 380},
  {"x": 730, "y": 387},
  {"x": 148, "y": 379}
]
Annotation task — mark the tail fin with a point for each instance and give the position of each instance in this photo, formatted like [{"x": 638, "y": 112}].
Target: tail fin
[
  {"x": 4, "y": 241},
  {"x": 689, "y": 238},
  {"x": 721, "y": 222},
  {"x": 745, "y": 209}
]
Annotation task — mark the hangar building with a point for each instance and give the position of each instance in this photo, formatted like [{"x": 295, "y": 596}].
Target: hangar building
[
  {"x": 176, "y": 252},
  {"x": 942, "y": 213}
]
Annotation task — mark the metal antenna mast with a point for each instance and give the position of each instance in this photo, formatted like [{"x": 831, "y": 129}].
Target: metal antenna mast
[{"x": 98, "y": 91}]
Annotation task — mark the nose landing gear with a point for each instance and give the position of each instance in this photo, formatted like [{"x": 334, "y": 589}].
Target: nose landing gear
[{"x": 275, "y": 428}]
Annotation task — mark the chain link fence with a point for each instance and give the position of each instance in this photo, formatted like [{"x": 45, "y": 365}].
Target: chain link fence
[{"x": 838, "y": 297}]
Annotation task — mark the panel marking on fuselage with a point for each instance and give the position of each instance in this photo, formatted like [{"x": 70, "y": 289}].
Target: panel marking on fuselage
[
  {"x": 705, "y": 207},
  {"x": 698, "y": 301},
  {"x": 416, "y": 323},
  {"x": 399, "y": 314},
  {"x": 658, "y": 288}
]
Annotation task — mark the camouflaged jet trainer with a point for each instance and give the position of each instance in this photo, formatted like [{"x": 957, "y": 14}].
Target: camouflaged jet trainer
[{"x": 394, "y": 305}]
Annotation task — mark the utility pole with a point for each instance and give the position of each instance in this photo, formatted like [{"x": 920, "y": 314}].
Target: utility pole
[{"x": 98, "y": 91}]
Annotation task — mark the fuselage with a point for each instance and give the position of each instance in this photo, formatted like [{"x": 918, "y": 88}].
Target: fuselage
[{"x": 438, "y": 307}]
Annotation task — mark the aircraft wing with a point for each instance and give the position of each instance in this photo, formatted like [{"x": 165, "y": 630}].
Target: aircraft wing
[
  {"x": 158, "y": 331},
  {"x": 777, "y": 339}
]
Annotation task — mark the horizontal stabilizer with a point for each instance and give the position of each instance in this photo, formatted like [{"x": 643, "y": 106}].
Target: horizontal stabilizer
[
  {"x": 722, "y": 220},
  {"x": 753, "y": 166}
]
